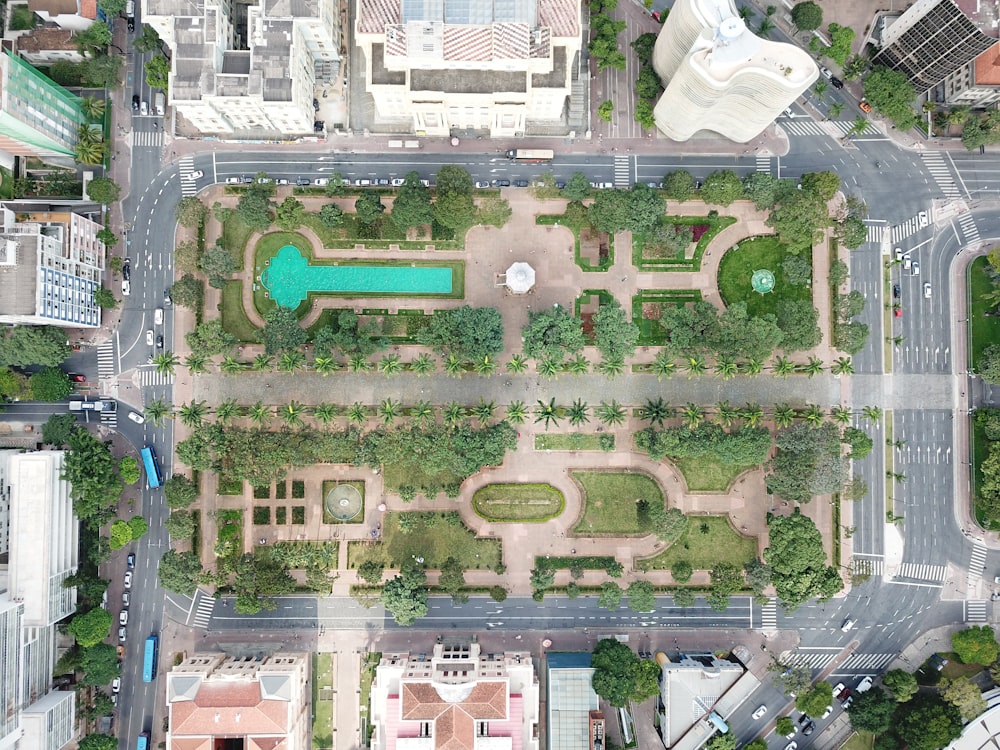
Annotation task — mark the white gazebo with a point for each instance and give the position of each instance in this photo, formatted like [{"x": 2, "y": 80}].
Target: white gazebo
[{"x": 520, "y": 278}]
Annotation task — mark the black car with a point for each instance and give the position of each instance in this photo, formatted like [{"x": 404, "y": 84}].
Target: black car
[
  {"x": 303, "y": 181},
  {"x": 135, "y": 102},
  {"x": 895, "y": 291},
  {"x": 809, "y": 728},
  {"x": 127, "y": 272},
  {"x": 130, "y": 560},
  {"x": 316, "y": 105},
  {"x": 319, "y": 126},
  {"x": 520, "y": 183},
  {"x": 501, "y": 183},
  {"x": 159, "y": 341},
  {"x": 560, "y": 185},
  {"x": 167, "y": 302},
  {"x": 131, "y": 25},
  {"x": 836, "y": 83}
]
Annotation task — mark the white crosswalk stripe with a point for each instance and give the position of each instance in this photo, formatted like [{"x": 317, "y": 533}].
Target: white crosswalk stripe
[
  {"x": 106, "y": 360},
  {"x": 969, "y": 229},
  {"x": 152, "y": 139},
  {"x": 810, "y": 660},
  {"x": 922, "y": 572},
  {"x": 867, "y": 566},
  {"x": 763, "y": 163},
  {"x": 901, "y": 231},
  {"x": 976, "y": 563},
  {"x": 109, "y": 418},
  {"x": 150, "y": 376},
  {"x": 832, "y": 128},
  {"x": 623, "y": 171},
  {"x": 975, "y": 611},
  {"x": 769, "y": 615},
  {"x": 934, "y": 161},
  {"x": 185, "y": 167},
  {"x": 203, "y": 612},
  {"x": 860, "y": 662},
  {"x": 875, "y": 232}
]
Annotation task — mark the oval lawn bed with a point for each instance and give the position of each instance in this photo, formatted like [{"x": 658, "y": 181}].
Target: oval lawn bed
[{"x": 518, "y": 502}]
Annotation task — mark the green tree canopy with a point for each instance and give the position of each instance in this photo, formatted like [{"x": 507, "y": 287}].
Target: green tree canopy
[
  {"x": 121, "y": 534},
  {"x": 577, "y": 188},
  {"x": 471, "y": 333},
  {"x": 188, "y": 292},
  {"x": 191, "y": 212},
  {"x": 289, "y": 214},
  {"x": 412, "y": 205},
  {"x": 351, "y": 336},
  {"x": 98, "y": 742},
  {"x": 807, "y": 462},
  {"x": 180, "y": 524},
  {"x": 679, "y": 186},
  {"x": 217, "y": 264},
  {"x": 927, "y": 722},
  {"x": 158, "y": 72},
  {"x": 257, "y": 581},
  {"x": 128, "y": 470},
  {"x": 90, "y": 628},
  {"x": 641, "y": 596},
  {"x": 452, "y": 178},
  {"x": 33, "y": 345},
  {"x": 210, "y": 338},
  {"x": 454, "y": 210},
  {"x": 901, "y": 684},
  {"x": 552, "y": 334},
  {"x": 965, "y": 695},
  {"x": 50, "y": 384},
  {"x": 610, "y": 210},
  {"x": 799, "y": 324},
  {"x": 58, "y": 428},
  {"x": 615, "y": 335},
  {"x": 721, "y": 187},
  {"x": 180, "y": 571},
  {"x": 807, "y": 16},
  {"x": 619, "y": 675},
  {"x": 100, "y": 664},
  {"x": 823, "y": 184},
  {"x": 405, "y": 596},
  {"x": 94, "y": 482},
  {"x": 976, "y": 645},
  {"x": 281, "y": 331},
  {"x": 814, "y": 701},
  {"x": 797, "y": 561},
  {"x": 892, "y": 94},
  {"x": 872, "y": 711},
  {"x": 180, "y": 491},
  {"x": 798, "y": 217}
]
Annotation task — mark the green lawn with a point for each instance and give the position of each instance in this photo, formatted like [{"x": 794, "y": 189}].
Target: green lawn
[
  {"x": 398, "y": 475},
  {"x": 234, "y": 317},
  {"x": 612, "y": 501},
  {"x": 322, "y": 687},
  {"x": 572, "y": 441},
  {"x": 433, "y": 536},
  {"x": 235, "y": 235},
  {"x": 859, "y": 741},
  {"x": 984, "y": 331},
  {"x": 368, "y": 667},
  {"x": 737, "y": 267},
  {"x": 518, "y": 502},
  {"x": 329, "y": 484},
  {"x": 708, "y": 540},
  {"x": 649, "y": 262},
  {"x": 705, "y": 474}
]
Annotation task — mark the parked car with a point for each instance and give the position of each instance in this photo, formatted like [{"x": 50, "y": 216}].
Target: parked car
[
  {"x": 125, "y": 597},
  {"x": 482, "y": 184},
  {"x": 865, "y": 106},
  {"x": 865, "y": 685},
  {"x": 398, "y": 182},
  {"x": 521, "y": 183},
  {"x": 126, "y": 288},
  {"x": 281, "y": 181},
  {"x": 246, "y": 179},
  {"x": 847, "y": 703},
  {"x": 116, "y": 685},
  {"x": 167, "y": 302},
  {"x": 362, "y": 183},
  {"x": 792, "y": 746},
  {"x": 123, "y": 618},
  {"x": 233, "y": 180},
  {"x": 501, "y": 183},
  {"x": 128, "y": 579},
  {"x": 121, "y": 635},
  {"x": 302, "y": 181},
  {"x": 836, "y": 83},
  {"x": 77, "y": 377},
  {"x": 131, "y": 25},
  {"x": 829, "y": 710},
  {"x": 844, "y": 696},
  {"x": 143, "y": 108},
  {"x": 158, "y": 316},
  {"x": 149, "y": 337},
  {"x": 826, "y": 72},
  {"x": 915, "y": 268},
  {"x": 135, "y": 102},
  {"x": 896, "y": 291},
  {"x": 761, "y": 710},
  {"x": 560, "y": 185},
  {"x": 809, "y": 728},
  {"x": 321, "y": 181},
  {"x": 838, "y": 689},
  {"x": 130, "y": 560}
]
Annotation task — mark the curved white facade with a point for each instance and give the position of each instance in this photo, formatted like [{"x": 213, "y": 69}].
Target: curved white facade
[
  {"x": 731, "y": 81},
  {"x": 687, "y": 19}
]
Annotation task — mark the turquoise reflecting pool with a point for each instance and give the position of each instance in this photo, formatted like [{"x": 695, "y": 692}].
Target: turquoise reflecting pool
[{"x": 289, "y": 279}]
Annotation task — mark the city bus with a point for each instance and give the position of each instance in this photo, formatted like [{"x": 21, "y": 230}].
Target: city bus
[
  {"x": 143, "y": 742},
  {"x": 531, "y": 155},
  {"x": 153, "y": 477},
  {"x": 149, "y": 659}
]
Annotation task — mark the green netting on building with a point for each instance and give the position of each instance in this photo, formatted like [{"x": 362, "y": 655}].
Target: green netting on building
[{"x": 38, "y": 111}]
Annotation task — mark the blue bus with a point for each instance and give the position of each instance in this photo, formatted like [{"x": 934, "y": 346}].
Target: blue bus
[
  {"x": 153, "y": 477},
  {"x": 143, "y": 742},
  {"x": 149, "y": 659}
]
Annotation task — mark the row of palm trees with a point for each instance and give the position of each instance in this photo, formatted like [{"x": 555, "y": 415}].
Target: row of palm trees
[
  {"x": 663, "y": 366},
  {"x": 91, "y": 147},
  {"x": 610, "y": 413}
]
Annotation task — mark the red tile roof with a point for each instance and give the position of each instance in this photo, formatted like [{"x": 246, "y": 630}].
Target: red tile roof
[
  {"x": 224, "y": 708},
  {"x": 88, "y": 9},
  {"x": 454, "y": 722},
  {"x": 987, "y": 67}
]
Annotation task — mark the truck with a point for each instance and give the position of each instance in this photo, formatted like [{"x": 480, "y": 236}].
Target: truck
[
  {"x": 101, "y": 405},
  {"x": 531, "y": 155},
  {"x": 159, "y": 102}
]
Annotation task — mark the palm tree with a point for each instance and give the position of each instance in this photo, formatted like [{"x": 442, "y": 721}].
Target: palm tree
[
  {"x": 422, "y": 413},
  {"x": 291, "y": 361},
  {"x": 727, "y": 413},
  {"x": 292, "y": 413},
  {"x": 726, "y": 368},
  {"x": 454, "y": 414},
  {"x": 260, "y": 414},
  {"x": 695, "y": 366},
  {"x": 765, "y": 27},
  {"x": 423, "y": 364},
  {"x": 813, "y": 367},
  {"x": 957, "y": 116},
  {"x": 578, "y": 413},
  {"x": 227, "y": 411},
  {"x": 193, "y": 414},
  {"x": 518, "y": 364},
  {"x": 390, "y": 364},
  {"x": 548, "y": 412},
  {"x": 325, "y": 413},
  {"x": 813, "y": 415},
  {"x": 485, "y": 366},
  {"x": 324, "y": 365},
  {"x": 784, "y": 415},
  {"x": 842, "y": 366},
  {"x": 664, "y": 365},
  {"x": 611, "y": 367},
  {"x": 859, "y": 126},
  {"x": 262, "y": 362},
  {"x": 358, "y": 413},
  {"x": 821, "y": 88},
  {"x": 549, "y": 368},
  {"x": 610, "y": 414},
  {"x": 93, "y": 109},
  {"x": 89, "y": 152},
  {"x": 484, "y": 411},
  {"x": 359, "y": 363},
  {"x": 872, "y": 414},
  {"x": 196, "y": 363},
  {"x": 579, "y": 365},
  {"x": 692, "y": 415},
  {"x": 454, "y": 366},
  {"x": 745, "y": 12},
  {"x": 836, "y": 109},
  {"x": 157, "y": 411},
  {"x": 840, "y": 414},
  {"x": 230, "y": 365},
  {"x": 752, "y": 367},
  {"x": 783, "y": 366},
  {"x": 655, "y": 411},
  {"x": 388, "y": 410},
  {"x": 517, "y": 412},
  {"x": 752, "y": 414},
  {"x": 166, "y": 362}
]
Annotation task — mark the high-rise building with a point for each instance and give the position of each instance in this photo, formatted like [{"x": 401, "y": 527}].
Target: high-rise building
[
  {"x": 248, "y": 71},
  {"x": 976, "y": 84},
  {"x": 729, "y": 80},
  {"x": 50, "y": 267},
  {"x": 499, "y": 68},
  {"x": 931, "y": 40}
]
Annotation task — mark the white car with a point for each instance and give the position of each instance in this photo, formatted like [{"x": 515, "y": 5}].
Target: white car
[
  {"x": 927, "y": 290},
  {"x": 234, "y": 181},
  {"x": 848, "y": 624},
  {"x": 136, "y": 417},
  {"x": 922, "y": 218},
  {"x": 829, "y": 710},
  {"x": 791, "y": 746},
  {"x": 149, "y": 337},
  {"x": 126, "y": 287},
  {"x": 196, "y": 175},
  {"x": 362, "y": 183},
  {"x": 121, "y": 635},
  {"x": 864, "y": 686},
  {"x": 281, "y": 181},
  {"x": 483, "y": 184},
  {"x": 899, "y": 254},
  {"x": 397, "y": 181},
  {"x": 838, "y": 689},
  {"x": 123, "y": 618},
  {"x": 125, "y": 598},
  {"x": 116, "y": 685},
  {"x": 761, "y": 710},
  {"x": 144, "y": 108},
  {"x": 915, "y": 268},
  {"x": 789, "y": 113},
  {"x": 158, "y": 316},
  {"x": 128, "y": 579},
  {"x": 321, "y": 181},
  {"x": 826, "y": 72}
]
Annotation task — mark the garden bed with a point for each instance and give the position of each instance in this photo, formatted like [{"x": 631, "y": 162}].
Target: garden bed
[
  {"x": 575, "y": 441},
  {"x": 704, "y": 229},
  {"x": 705, "y": 474},
  {"x": 518, "y": 502},
  {"x": 646, "y": 311},
  {"x": 737, "y": 266},
  {"x": 575, "y": 218},
  {"x": 984, "y": 331}
]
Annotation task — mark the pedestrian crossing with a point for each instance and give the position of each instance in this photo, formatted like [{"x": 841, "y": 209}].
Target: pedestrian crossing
[
  {"x": 109, "y": 419},
  {"x": 764, "y": 163},
  {"x": 861, "y": 566},
  {"x": 975, "y": 611},
  {"x": 969, "y": 229},
  {"x": 810, "y": 659},
  {"x": 875, "y": 233},
  {"x": 769, "y": 615},
  {"x": 934, "y": 161},
  {"x": 623, "y": 172},
  {"x": 909, "y": 227},
  {"x": 150, "y": 138},
  {"x": 202, "y": 608},
  {"x": 831, "y": 128},
  {"x": 922, "y": 572},
  {"x": 977, "y": 563},
  {"x": 106, "y": 361},
  {"x": 185, "y": 167},
  {"x": 151, "y": 376},
  {"x": 866, "y": 662}
]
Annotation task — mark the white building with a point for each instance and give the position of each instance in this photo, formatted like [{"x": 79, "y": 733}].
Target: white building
[
  {"x": 42, "y": 554},
  {"x": 726, "y": 79},
  {"x": 248, "y": 71},
  {"x": 494, "y": 67},
  {"x": 50, "y": 267}
]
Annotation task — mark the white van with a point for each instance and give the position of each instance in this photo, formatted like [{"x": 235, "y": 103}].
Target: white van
[
  {"x": 158, "y": 316},
  {"x": 130, "y": 9}
]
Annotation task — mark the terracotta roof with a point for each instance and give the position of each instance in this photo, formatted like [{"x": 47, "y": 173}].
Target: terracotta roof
[
  {"x": 987, "y": 67},
  {"x": 229, "y": 708},
  {"x": 45, "y": 38},
  {"x": 54, "y": 7},
  {"x": 190, "y": 743},
  {"x": 454, "y": 722},
  {"x": 88, "y": 9}
]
